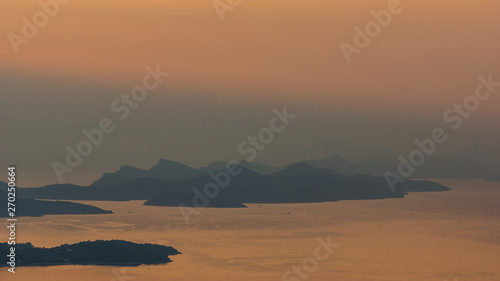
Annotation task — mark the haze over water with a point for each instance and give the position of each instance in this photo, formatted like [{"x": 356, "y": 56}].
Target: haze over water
[
  {"x": 425, "y": 236},
  {"x": 226, "y": 76},
  {"x": 96, "y": 92}
]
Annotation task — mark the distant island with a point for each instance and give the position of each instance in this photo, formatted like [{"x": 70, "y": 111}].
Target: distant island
[
  {"x": 38, "y": 208},
  {"x": 297, "y": 183},
  {"x": 472, "y": 162},
  {"x": 106, "y": 253}
]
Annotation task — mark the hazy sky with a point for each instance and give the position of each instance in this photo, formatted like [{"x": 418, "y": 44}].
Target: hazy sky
[{"x": 227, "y": 76}]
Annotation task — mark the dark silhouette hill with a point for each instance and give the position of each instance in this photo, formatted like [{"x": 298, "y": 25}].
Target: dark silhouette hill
[
  {"x": 472, "y": 162},
  {"x": 123, "y": 175},
  {"x": 477, "y": 161},
  {"x": 173, "y": 171},
  {"x": 337, "y": 163},
  {"x": 165, "y": 169},
  {"x": 304, "y": 168},
  {"x": 214, "y": 166},
  {"x": 423, "y": 186},
  {"x": 106, "y": 253},
  {"x": 136, "y": 189},
  {"x": 303, "y": 183},
  {"x": 63, "y": 192},
  {"x": 298, "y": 183},
  {"x": 143, "y": 189},
  {"x": 260, "y": 168},
  {"x": 37, "y": 208}
]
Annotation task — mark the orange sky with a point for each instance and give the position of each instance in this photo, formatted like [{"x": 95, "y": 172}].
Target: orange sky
[{"x": 430, "y": 53}]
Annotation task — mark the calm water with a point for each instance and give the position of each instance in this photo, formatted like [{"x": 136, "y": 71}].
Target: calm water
[{"x": 426, "y": 236}]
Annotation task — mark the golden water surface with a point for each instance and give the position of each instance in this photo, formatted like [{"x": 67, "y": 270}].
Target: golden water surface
[{"x": 426, "y": 236}]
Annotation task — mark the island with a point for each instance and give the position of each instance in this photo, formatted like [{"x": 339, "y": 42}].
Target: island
[
  {"x": 296, "y": 183},
  {"x": 38, "y": 208},
  {"x": 103, "y": 253}
]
